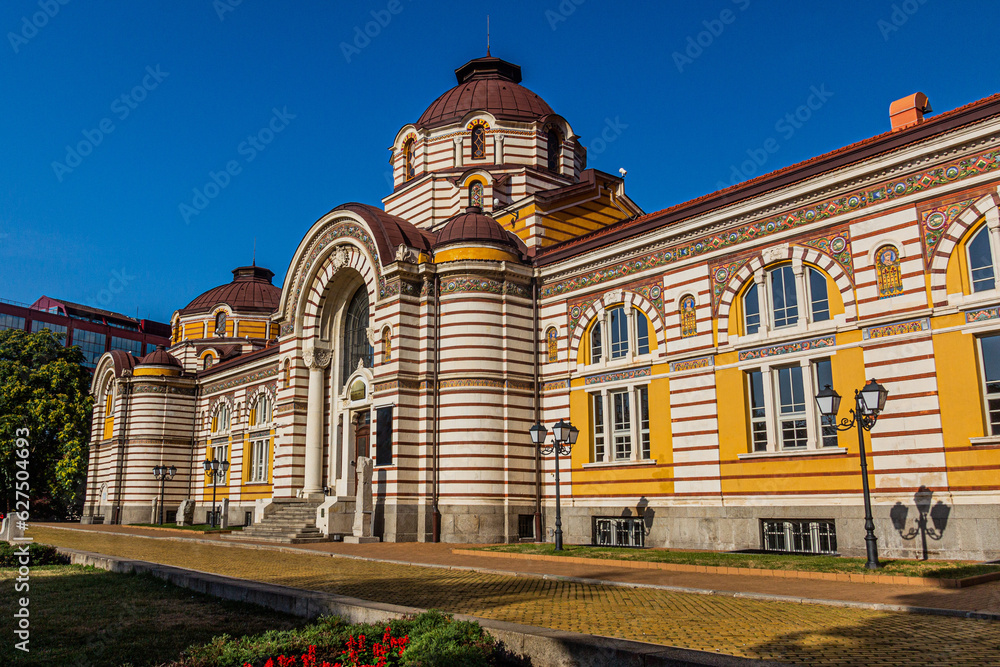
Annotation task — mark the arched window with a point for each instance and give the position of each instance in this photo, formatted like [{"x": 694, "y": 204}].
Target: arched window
[
  {"x": 220, "y": 324},
  {"x": 553, "y": 147},
  {"x": 408, "y": 171},
  {"x": 596, "y": 343},
  {"x": 622, "y": 337},
  {"x": 356, "y": 346},
  {"x": 689, "y": 320},
  {"x": 476, "y": 194},
  {"x": 780, "y": 299},
  {"x": 887, "y": 273},
  {"x": 981, "y": 273},
  {"x": 220, "y": 420},
  {"x": 260, "y": 413},
  {"x": 478, "y": 142},
  {"x": 109, "y": 411}
]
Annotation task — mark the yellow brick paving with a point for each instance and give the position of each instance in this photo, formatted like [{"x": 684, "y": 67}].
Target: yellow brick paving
[{"x": 786, "y": 632}]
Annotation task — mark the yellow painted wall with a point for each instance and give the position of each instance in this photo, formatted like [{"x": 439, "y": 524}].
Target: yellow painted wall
[
  {"x": 259, "y": 490},
  {"x": 962, "y": 413},
  {"x": 252, "y": 329},
  {"x": 957, "y": 275}
]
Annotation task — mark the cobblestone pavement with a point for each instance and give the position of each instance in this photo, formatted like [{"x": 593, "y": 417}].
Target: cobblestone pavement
[{"x": 803, "y": 634}]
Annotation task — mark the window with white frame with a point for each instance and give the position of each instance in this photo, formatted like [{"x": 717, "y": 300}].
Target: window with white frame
[
  {"x": 783, "y": 297},
  {"x": 781, "y": 407},
  {"x": 221, "y": 418},
  {"x": 989, "y": 364},
  {"x": 628, "y": 330},
  {"x": 980, "y": 256},
  {"x": 260, "y": 413},
  {"x": 620, "y": 417},
  {"x": 220, "y": 454},
  {"x": 260, "y": 455}
]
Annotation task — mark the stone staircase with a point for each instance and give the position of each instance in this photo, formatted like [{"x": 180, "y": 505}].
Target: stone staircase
[{"x": 290, "y": 523}]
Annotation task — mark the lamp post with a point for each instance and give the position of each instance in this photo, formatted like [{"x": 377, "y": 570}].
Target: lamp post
[
  {"x": 868, "y": 403},
  {"x": 162, "y": 474},
  {"x": 564, "y": 435},
  {"x": 214, "y": 468}
]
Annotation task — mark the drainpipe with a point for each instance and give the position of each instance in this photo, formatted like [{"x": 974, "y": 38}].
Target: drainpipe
[
  {"x": 538, "y": 409},
  {"x": 435, "y": 512}
]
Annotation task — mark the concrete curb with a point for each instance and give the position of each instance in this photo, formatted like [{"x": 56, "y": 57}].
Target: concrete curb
[
  {"x": 767, "y": 597},
  {"x": 896, "y": 580},
  {"x": 545, "y": 647}
]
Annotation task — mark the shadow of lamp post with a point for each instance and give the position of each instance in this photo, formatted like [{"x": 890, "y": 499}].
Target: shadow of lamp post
[
  {"x": 214, "y": 469},
  {"x": 938, "y": 515},
  {"x": 162, "y": 474},
  {"x": 868, "y": 404},
  {"x": 564, "y": 435}
]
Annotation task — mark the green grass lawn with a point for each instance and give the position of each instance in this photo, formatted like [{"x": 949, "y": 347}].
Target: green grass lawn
[
  {"x": 85, "y": 616},
  {"x": 898, "y": 567},
  {"x": 200, "y": 527}
]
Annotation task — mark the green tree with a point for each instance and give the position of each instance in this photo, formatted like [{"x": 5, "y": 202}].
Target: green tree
[{"x": 44, "y": 388}]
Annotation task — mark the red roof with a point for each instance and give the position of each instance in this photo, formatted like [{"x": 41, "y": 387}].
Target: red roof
[
  {"x": 159, "y": 357},
  {"x": 250, "y": 292},
  {"x": 389, "y": 231},
  {"x": 486, "y": 84}
]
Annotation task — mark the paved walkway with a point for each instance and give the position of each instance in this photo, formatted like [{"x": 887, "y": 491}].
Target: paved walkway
[{"x": 807, "y": 634}]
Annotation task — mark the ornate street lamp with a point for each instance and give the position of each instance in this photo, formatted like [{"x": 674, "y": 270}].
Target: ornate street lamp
[
  {"x": 564, "y": 435},
  {"x": 868, "y": 404},
  {"x": 162, "y": 474},
  {"x": 214, "y": 468}
]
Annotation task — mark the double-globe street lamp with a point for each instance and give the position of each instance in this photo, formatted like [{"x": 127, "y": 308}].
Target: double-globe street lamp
[
  {"x": 564, "y": 435},
  {"x": 162, "y": 474},
  {"x": 214, "y": 468},
  {"x": 868, "y": 404}
]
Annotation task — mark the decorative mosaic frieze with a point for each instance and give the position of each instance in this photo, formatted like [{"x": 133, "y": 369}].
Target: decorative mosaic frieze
[
  {"x": 691, "y": 364},
  {"x": 394, "y": 385},
  {"x": 146, "y": 388},
  {"x": 517, "y": 289},
  {"x": 859, "y": 199},
  {"x": 933, "y": 223},
  {"x": 629, "y": 374},
  {"x": 555, "y": 386},
  {"x": 465, "y": 284},
  {"x": 787, "y": 348},
  {"x": 244, "y": 379},
  {"x": 338, "y": 231},
  {"x": 982, "y": 315},
  {"x": 897, "y": 329},
  {"x": 654, "y": 293},
  {"x": 836, "y": 244},
  {"x": 577, "y": 310},
  {"x": 495, "y": 384}
]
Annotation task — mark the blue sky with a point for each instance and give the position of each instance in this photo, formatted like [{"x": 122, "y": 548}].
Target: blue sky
[{"x": 686, "y": 92}]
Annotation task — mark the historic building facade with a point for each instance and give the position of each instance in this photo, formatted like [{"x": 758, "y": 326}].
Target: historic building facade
[{"x": 504, "y": 283}]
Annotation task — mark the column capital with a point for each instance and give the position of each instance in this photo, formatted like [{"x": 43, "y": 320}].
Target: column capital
[{"x": 316, "y": 357}]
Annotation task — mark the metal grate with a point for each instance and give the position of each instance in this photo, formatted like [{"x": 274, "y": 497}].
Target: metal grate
[
  {"x": 814, "y": 537},
  {"x": 618, "y": 532},
  {"x": 526, "y": 526}
]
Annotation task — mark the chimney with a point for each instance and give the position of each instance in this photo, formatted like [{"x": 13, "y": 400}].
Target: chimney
[{"x": 909, "y": 111}]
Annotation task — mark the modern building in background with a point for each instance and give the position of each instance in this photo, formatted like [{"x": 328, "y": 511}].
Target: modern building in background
[
  {"x": 96, "y": 331},
  {"x": 506, "y": 283}
]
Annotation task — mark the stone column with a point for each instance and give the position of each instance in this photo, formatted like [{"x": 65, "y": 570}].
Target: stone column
[{"x": 316, "y": 359}]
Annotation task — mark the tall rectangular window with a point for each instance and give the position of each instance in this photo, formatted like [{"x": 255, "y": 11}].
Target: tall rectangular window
[
  {"x": 751, "y": 311},
  {"x": 596, "y": 343},
  {"x": 383, "y": 436},
  {"x": 11, "y": 322},
  {"x": 758, "y": 411},
  {"x": 783, "y": 297},
  {"x": 641, "y": 332},
  {"x": 791, "y": 408},
  {"x": 260, "y": 455},
  {"x": 127, "y": 344},
  {"x": 818, "y": 296},
  {"x": 38, "y": 325},
  {"x": 989, "y": 347},
  {"x": 597, "y": 426},
  {"x": 827, "y": 425},
  {"x": 643, "y": 405},
  {"x": 621, "y": 424},
  {"x": 91, "y": 344},
  {"x": 219, "y": 454},
  {"x": 619, "y": 333}
]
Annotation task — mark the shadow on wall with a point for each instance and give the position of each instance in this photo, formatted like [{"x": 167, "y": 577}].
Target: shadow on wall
[
  {"x": 938, "y": 519},
  {"x": 378, "y": 520}
]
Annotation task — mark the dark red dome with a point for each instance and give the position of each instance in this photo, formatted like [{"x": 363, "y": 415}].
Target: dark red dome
[
  {"x": 159, "y": 357},
  {"x": 473, "y": 226},
  {"x": 486, "y": 84},
  {"x": 250, "y": 292}
]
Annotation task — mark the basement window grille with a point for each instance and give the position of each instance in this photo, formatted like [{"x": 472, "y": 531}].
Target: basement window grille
[
  {"x": 811, "y": 537},
  {"x": 618, "y": 532},
  {"x": 526, "y": 526}
]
